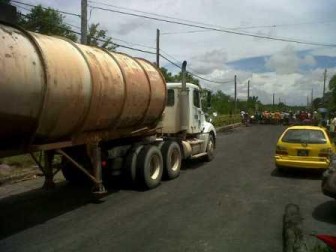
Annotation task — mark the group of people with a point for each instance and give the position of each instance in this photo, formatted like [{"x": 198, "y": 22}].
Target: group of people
[{"x": 286, "y": 118}]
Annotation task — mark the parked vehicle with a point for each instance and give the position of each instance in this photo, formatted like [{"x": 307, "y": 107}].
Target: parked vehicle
[
  {"x": 104, "y": 113},
  {"x": 304, "y": 147}
]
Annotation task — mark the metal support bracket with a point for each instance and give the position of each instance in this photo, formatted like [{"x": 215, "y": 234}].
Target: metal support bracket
[
  {"x": 94, "y": 152},
  {"x": 48, "y": 170}
]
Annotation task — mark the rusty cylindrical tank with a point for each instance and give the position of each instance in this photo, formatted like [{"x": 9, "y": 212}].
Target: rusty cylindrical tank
[{"x": 53, "y": 89}]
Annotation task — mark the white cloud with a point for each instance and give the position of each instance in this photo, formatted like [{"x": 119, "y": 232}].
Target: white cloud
[
  {"x": 324, "y": 51},
  {"x": 285, "y": 61},
  {"x": 131, "y": 26},
  {"x": 308, "y": 60},
  {"x": 209, "y": 61},
  {"x": 207, "y": 52}
]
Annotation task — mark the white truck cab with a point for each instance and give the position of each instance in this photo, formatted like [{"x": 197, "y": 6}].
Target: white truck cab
[{"x": 186, "y": 117}]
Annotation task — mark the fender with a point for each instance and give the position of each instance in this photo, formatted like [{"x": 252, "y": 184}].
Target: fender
[{"x": 208, "y": 127}]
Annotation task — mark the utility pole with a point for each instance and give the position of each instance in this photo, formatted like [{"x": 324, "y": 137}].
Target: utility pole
[
  {"x": 84, "y": 22},
  {"x": 324, "y": 81},
  {"x": 158, "y": 48},
  {"x": 235, "y": 93},
  {"x": 312, "y": 98},
  {"x": 248, "y": 90},
  {"x": 273, "y": 100}
]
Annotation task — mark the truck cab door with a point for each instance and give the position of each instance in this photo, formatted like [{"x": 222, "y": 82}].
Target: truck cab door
[{"x": 196, "y": 116}]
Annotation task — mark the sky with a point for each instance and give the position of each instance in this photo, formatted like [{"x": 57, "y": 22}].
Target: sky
[{"x": 292, "y": 71}]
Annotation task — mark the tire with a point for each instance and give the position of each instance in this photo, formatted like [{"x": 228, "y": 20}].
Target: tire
[
  {"x": 71, "y": 173},
  {"x": 130, "y": 166},
  {"x": 172, "y": 159},
  {"x": 210, "y": 148},
  {"x": 149, "y": 167}
]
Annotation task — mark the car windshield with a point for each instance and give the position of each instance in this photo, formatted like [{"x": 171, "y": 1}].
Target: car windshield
[{"x": 304, "y": 136}]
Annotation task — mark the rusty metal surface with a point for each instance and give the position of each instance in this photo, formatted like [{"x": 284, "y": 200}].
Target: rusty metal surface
[
  {"x": 137, "y": 90},
  {"x": 68, "y": 88},
  {"x": 108, "y": 91},
  {"x": 21, "y": 84},
  {"x": 158, "y": 92},
  {"x": 53, "y": 89}
]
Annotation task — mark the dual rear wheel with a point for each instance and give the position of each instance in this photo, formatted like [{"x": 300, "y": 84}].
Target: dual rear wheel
[
  {"x": 147, "y": 165},
  {"x": 144, "y": 166}
]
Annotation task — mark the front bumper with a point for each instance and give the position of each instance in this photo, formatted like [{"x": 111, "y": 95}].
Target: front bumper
[{"x": 302, "y": 162}]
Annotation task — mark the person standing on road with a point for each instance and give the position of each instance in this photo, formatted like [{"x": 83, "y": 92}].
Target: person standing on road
[{"x": 333, "y": 126}]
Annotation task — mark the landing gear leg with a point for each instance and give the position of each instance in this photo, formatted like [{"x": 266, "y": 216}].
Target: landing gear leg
[
  {"x": 48, "y": 170},
  {"x": 95, "y": 156}
]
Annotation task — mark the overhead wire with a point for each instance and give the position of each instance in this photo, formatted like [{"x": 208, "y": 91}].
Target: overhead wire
[
  {"x": 131, "y": 48},
  {"x": 31, "y": 5},
  {"x": 150, "y": 13},
  {"x": 193, "y": 25},
  {"x": 196, "y": 22},
  {"x": 214, "y": 29},
  {"x": 196, "y": 75}
]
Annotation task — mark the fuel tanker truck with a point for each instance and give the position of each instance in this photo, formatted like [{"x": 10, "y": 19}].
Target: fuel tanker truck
[{"x": 101, "y": 113}]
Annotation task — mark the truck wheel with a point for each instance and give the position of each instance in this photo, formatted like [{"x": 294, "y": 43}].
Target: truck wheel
[
  {"x": 130, "y": 167},
  {"x": 71, "y": 173},
  {"x": 210, "y": 149},
  {"x": 149, "y": 167},
  {"x": 172, "y": 158}
]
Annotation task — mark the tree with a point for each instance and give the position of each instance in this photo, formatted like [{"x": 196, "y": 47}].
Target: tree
[
  {"x": 166, "y": 74},
  {"x": 332, "y": 87},
  {"x": 169, "y": 77},
  {"x": 222, "y": 103},
  {"x": 189, "y": 78},
  {"x": 46, "y": 21},
  {"x": 97, "y": 37}
]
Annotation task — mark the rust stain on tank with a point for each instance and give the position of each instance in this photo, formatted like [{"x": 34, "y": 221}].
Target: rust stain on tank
[{"x": 77, "y": 89}]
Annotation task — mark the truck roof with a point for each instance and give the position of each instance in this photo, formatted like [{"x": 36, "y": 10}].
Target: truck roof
[{"x": 179, "y": 84}]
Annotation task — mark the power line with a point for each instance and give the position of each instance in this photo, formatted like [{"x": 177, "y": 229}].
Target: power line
[
  {"x": 178, "y": 61},
  {"x": 184, "y": 32},
  {"x": 31, "y": 5},
  {"x": 214, "y": 29},
  {"x": 207, "y": 24},
  {"x": 21, "y": 7},
  {"x": 135, "y": 49},
  {"x": 72, "y": 25},
  {"x": 195, "y": 75},
  {"x": 149, "y": 13},
  {"x": 148, "y": 52},
  {"x": 101, "y": 40}
]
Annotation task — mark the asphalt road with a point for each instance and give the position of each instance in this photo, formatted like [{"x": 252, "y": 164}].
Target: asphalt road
[{"x": 234, "y": 203}]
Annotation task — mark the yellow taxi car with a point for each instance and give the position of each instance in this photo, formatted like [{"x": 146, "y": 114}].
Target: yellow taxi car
[{"x": 304, "y": 147}]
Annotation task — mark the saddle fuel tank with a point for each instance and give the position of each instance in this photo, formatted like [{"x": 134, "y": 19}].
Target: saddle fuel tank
[{"x": 52, "y": 89}]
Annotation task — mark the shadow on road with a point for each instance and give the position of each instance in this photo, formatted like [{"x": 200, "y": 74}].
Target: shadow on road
[
  {"x": 293, "y": 173},
  {"x": 192, "y": 164},
  {"x": 35, "y": 207},
  {"x": 326, "y": 212}
]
